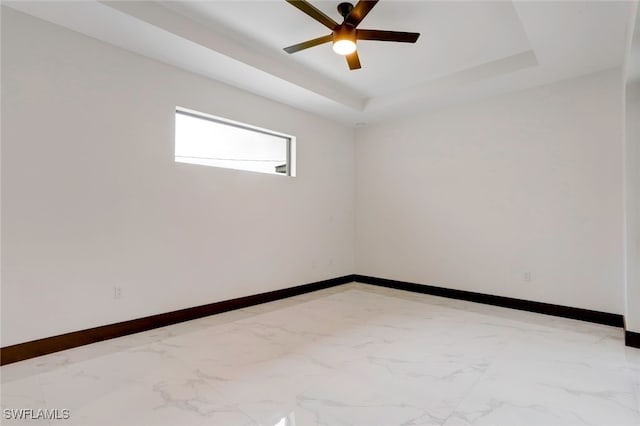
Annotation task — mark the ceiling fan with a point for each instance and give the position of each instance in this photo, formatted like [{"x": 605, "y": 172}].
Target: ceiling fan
[{"x": 345, "y": 35}]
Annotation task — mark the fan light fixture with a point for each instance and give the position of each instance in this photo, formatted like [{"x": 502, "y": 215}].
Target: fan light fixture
[
  {"x": 344, "y": 40},
  {"x": 344, "y": 47},
  {"x": 345, "y": 35}
]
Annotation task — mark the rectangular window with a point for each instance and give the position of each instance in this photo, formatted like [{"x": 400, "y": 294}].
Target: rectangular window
[{"x": 212, "y": 141}]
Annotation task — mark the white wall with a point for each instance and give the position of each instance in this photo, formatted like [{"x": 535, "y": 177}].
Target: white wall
[
  {"x": 632, "y": 180},
  {"x": 92, "y": 198},
  {"x": 472, "y": 197},
  {"x": 469, "y": 197},
  {"x": 632, "y": 316}
]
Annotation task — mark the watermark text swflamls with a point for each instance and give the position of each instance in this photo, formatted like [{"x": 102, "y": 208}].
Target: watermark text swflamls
[{"x": 36, "y": 413}]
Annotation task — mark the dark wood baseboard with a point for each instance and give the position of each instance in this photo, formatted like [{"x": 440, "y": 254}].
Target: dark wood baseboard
[
  {"x": 35, "y": 348},
  {"x": 506, "y": 302},
  {"x": 631, "y": 338}
]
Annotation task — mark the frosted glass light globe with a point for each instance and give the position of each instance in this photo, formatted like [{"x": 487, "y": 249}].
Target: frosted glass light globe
[{"x": 344, "y": 47}]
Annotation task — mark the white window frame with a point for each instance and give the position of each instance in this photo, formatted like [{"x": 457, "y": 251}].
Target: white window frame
[{"x": 289, "y": 140}]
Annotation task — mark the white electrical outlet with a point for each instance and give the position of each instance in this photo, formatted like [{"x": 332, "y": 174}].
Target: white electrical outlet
[
  {"x": 117, "y": 292},
  {"x": 527, "y": 276}
]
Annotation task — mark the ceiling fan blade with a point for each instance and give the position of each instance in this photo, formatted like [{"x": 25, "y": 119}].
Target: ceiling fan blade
[
  {"x": 359, "y": 11},
  {"x": 387, "y": 36},
  {"x": 316, "y": 14},
  {"x": 353, "y": 60},
  {"x": 309, "y": 43}
]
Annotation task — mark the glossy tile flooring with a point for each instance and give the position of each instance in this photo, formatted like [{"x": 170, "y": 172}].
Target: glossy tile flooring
[{"x": 351, "y": 355}]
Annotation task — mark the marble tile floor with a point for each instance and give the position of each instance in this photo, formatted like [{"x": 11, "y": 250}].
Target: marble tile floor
[{"x": 350, "y": 355}]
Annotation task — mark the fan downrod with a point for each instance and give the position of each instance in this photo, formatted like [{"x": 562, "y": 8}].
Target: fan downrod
[{"x": 345, "y": 9}]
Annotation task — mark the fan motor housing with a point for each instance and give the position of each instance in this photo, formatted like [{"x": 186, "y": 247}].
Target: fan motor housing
[
  {"x": 345, "y": 9},
  {"x": 344, "y": 32}
]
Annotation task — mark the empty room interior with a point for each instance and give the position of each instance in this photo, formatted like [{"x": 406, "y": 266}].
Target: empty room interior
[{"x": 306, "y": 213}]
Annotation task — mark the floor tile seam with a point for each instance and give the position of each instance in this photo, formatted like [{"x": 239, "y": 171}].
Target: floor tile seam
[
  {"x": 238, "y": 405},
  {"x": 482, "y": 377},
  {"x": 448, "y": 303},
  {"x": 487, "y": 312},
  {"x": 447, "y": 307},
  {"x": 306, "y": 388},
  {"x": 483, "y": 309},
  {"x": 257, "y": 420},
  {"x": 227, "y": 403},
  {"x": 485, "y": 374},
  {"x": 219, "y": 396},
  {"x": 465, "y": 396},
  {"x": 493, "y": 359}
]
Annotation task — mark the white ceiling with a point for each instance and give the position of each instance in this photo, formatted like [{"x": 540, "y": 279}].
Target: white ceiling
[
  {"x": 466, "y": 50},
  {"x": 274, "y": 25}
]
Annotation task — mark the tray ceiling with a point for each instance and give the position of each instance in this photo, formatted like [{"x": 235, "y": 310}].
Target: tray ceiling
[{"x": 466, "y": 50}]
